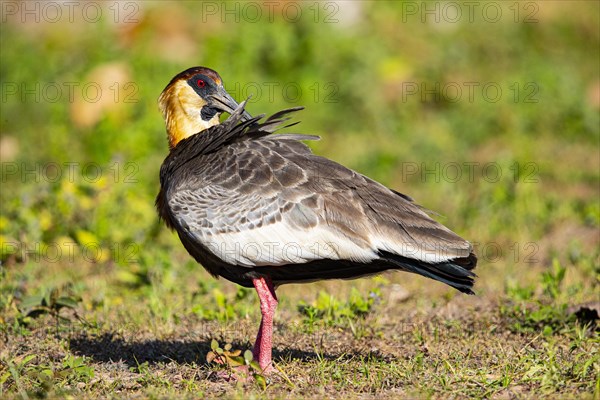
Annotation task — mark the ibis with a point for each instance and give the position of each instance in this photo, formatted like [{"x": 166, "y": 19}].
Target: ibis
[{"x": 259, "y": 209}]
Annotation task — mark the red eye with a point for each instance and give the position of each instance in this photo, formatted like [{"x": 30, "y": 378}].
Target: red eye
[{"x": 200, "y": 83}]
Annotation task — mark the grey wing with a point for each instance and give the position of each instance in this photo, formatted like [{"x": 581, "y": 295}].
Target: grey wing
[
  {"x": 272, "y": 202},
  {"x": 388, "y": 221}
]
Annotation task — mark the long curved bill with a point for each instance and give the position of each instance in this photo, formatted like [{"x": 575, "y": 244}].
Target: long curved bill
[{"x": 226, "y": 103}]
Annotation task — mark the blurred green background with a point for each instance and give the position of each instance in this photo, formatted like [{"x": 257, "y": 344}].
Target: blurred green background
[
  {"x": 509, "y": 102},
  {"x": 485, "y": 112}
]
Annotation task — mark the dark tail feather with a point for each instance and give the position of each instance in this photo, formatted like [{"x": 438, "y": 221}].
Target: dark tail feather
[{"x": 456, "y": 273}]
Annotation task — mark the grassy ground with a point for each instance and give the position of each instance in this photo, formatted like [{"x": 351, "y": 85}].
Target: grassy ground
[{"x": 99, "y": 300}]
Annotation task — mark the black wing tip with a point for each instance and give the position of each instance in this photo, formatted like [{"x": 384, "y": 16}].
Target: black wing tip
[
  {"x": 466, "y": 290},
  {"x": 469, "y": 262},
  {"x": 455, "y": 273}
]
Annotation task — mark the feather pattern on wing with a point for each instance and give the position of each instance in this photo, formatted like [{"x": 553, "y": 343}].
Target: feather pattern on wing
[{"x": 245, "y": 200}]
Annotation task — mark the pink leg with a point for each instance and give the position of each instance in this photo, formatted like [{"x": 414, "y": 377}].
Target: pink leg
[{"x": 264, "y": 339}]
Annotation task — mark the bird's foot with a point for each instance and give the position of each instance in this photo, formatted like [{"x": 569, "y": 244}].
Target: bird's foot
[{"x": 267, "y": 370}]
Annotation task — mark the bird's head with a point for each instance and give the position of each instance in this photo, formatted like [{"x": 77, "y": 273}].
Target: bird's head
[{"x": 193, "y": 101}]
